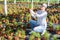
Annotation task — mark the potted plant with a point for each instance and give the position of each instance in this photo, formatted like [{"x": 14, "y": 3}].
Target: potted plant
[
  {"x": 16, "y": 35},
  {"x": 56, "y": 20},
  {"x": 1, "y": 25},
  {"x": 2, "y": 38},
  {"x": 7, "y": 31},
  {"x": 46, "y": 36},
  {"x": 47, "y": 19},
  {"x": 57, "y": 29},
  {"x": 20, "y": 35},
  {"x": 37, "y": 36},
  {"x": 16, "y": 38},
  {"x": 55, "y": 37},
  {"x": 28, "y": 17},
  {"x": 23, "y": 36},
  {"x": 10, "y": 37},
  {"x": 15, "y": 23},
  {"x": 7, "y": 22},
  {"x": 3, "y": 20},
  {"x": 50, "y": 28},
  {"x": 32, "y": 35}
]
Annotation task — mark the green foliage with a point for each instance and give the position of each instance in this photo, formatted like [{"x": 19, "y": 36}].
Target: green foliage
[
  {"x": 8, "y": 30},
  {"x": 57, "y": 27},
  {"x": 15, "y": 23},
  {"x": 46, "y": 35},
  {"x": 23, "y": 33},
  {"x": 20, "y": 23},
  {"x": 50, "y": 24},
  {"x": 0, "y": 22},
  {"x": 17, "y": 32},
  {"x": 55, "y": 37},
  {"x": 2, "y": 38},
  {"x": 31, "y": 37},
  {"x": 34, "y": 34},
  {"x": 37, "y": 35}
]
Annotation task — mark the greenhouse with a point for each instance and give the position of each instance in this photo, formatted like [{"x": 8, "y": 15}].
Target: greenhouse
[{"x": 25, "y": 20}]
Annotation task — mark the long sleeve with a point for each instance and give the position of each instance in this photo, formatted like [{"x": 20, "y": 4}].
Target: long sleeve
[
  {"x": 32, "y": 13},
  {"x": 41, "y": 15}
]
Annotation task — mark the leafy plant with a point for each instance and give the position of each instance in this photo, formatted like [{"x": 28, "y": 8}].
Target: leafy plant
[
  {"x": 46, "y": 35},
  {"x": 19, "y": 23},
  {"x": 37, "y": 35},
  {"x": 8, "y": 30},
  {"x": 16, "y": 34},
  {"x": 33, "y": 35},
  {"x": 50, "y": 24},
  {"x": 2, "y": 38},
  {"x": 20, "y": 34},
  {"x": 57, "y": 27},
  {"x": 23, "y": 34},
  {"x": 7, "y": 22},
  {"x": 54, "y": 37}
]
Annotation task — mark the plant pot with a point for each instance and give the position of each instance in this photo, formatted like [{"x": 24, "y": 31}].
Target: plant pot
[
  {"x": 37, "y": 39},
  {"x": 31, "y": 37},
  {"x": 54, "y": 37},
  {"x": 4, "y": 21},
  {"x": 28, "y": 25},
  {"x": 16, "y": 38},
  {"x": 43, "y": 38},
  {"x": 50, "y": 29},
  {"x": 0, "y": 32},
  {"x": 58, "y": 32},
  {"x": 9, "y": 37},
  {"x": 1, "y": 25},
  {"x": 3, "y": 34}
]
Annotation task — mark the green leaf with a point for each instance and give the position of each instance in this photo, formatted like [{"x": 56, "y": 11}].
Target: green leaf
[
  {"x": 55, "y": 37},
  {"x": 37, "y": 35},
  {"x": 46, "y": 35},
  {"x": 50, "y": 24},
  {"x": 57, "y": 27}
]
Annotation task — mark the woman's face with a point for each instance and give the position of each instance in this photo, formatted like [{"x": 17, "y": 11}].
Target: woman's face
[{"x": 42, "y": 8}]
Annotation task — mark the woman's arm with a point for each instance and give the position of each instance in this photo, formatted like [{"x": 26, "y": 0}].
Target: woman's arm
[
  {"x": 41, "y": 15},
  {"x": 32, "y": 13}
]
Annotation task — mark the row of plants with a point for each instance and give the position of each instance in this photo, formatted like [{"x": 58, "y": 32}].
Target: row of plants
[
  {"x": 13, "y": 26},
  {"x": 22, "y": 6},
  {"x": 20, "y": 35},
  {"x": 53, "y": 28},
  {"x": 46, "y": 36},
  {"x": 53, "y": 21}
]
